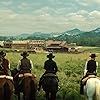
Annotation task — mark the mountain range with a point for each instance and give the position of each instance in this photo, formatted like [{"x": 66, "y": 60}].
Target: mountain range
[
  {"x": 75, "y": 35},
  {"x": 50, "y": 35},
  {"x": 69, "y": 33}
]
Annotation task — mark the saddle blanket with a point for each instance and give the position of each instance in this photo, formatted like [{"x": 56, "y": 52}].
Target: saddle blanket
[
  {"x": 50, "y": 75},
  {"x": 90, "y": 76},
  {"x": 25, "y": 74},
  {"x": 7, "y": 77}
]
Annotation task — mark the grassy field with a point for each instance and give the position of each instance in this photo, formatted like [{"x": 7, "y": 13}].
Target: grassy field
[{"x": 70, "y": 72}]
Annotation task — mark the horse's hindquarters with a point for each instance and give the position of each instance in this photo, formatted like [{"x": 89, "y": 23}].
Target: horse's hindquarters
[
  {"x": 98, "y": 90},
  {"x": 6, "y": 89},
  {"x": 50, "y": 84},
  {"x": 29, "y": 88},
  {"x": 93, "y": 88}
]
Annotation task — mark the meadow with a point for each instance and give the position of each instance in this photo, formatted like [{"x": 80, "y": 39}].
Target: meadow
[{"x": 71, "y": 67}]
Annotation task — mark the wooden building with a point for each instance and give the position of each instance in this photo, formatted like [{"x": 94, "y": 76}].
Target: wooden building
[
  {"x": 72, "y": 47},
  {"x": 56, "y": 46},
  {"x": 41, "y": 45},
  {"x": 7, "y": 44},
  {"x": 37, "y": 45},
  {"x": 31, "y": 45},
  {"x": 20, "y": 44}
]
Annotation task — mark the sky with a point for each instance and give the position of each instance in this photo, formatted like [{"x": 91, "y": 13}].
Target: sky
[{"x": 28, "y": 16}]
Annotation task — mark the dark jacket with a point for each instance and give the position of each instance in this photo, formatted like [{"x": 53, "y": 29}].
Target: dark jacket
[
  {"x": 50, "y": 66},
  {"x": 25, "y": 64},
  {"x": 91, "y": 66}
]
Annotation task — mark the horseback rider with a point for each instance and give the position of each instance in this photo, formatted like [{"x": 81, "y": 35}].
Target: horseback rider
[
  {"x": 90, "y": 69},
  {"x": 25, "y": 65},
  {"x": 5, "y": 65},
  {"x": 50, "y": 66}
]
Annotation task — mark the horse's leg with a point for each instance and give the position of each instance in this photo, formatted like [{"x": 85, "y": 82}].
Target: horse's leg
[
  {"x": 90, "y": 98},
  {"x": 33, "y": 90},
  {"x": 1, "y": 93},
  {"x": 32, "y": 96},
  {"x": 47, "y": 95},
  {"x": 18, "y": 95},
  {"x": 7, "y": 92},
  {"x": 53, "y": 96},
  {"x": 24, "y": 98}
]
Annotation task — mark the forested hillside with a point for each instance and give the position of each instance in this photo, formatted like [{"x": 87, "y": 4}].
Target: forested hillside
[{"x": 91, "y": 38}]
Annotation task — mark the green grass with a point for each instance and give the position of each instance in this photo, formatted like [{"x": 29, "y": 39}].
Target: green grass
[{"x": 70, "y": 72}]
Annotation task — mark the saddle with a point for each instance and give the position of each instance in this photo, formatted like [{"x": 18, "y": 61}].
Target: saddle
[
  {"x": 4, "y": 79},
  {"x": 50, "y": 75},
  {"x": 21, "y": 77},
  {"x": 88, "y": 77},
  {"x": 26, "y": 75}
]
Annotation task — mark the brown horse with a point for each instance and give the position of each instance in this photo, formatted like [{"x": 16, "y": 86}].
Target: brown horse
[
  {"x": 6, "y": 87},
  {"x": 28, "y": 84},
  {"x": 50, "y": 86}
]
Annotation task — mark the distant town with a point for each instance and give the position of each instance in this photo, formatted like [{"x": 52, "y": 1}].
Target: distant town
[{"x": 40, "y": 46}]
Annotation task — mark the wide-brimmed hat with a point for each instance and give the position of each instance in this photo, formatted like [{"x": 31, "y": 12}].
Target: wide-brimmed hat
[
  {"x": 25, "y": 53},
  {"x": 93, "y": 55},
  {"x": 2, "y": 53},
  {"x": 50, "y": 55}
]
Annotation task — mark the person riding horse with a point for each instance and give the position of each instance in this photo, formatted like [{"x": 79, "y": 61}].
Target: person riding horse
[
  {"x": 6, "y": 81},
  {"x": 90, "y": 69},
  {"x": 5, "y": 65},
  {"x": 50, "y": 66},
  {"x": 25, "y": 65}
]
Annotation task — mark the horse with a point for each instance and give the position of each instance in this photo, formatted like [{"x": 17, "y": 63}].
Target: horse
[
  {"x": 50, "y": 86},
  {"x": 6, "y": 83},
  {"x": 28, "y": 85},
  {"x": 6, "y": 87},
  {"x": 92, "y": 88}
]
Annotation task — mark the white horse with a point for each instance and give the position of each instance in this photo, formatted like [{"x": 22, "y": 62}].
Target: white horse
[{"x": 92, "y": 89}]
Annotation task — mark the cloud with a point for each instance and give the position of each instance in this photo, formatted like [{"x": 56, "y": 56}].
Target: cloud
[
  {"x": 18, "y": 23},
  {"x": 6, "y": 3},
  {"x": 12, "y": 22},
  {"x": 84, "y": 20},
  {"x": 47, "y": 19},
  {"x": 92, "y": 1},
  {"x": 88, "y": 2},
  {"x": 24, "y": 6},
  {"x": 95, "y": 14},
  {"x": 82, "y": 12},
  {"x": 82, "y": 2}
]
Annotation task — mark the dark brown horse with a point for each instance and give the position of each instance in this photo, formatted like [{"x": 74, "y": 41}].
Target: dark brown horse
[
  {"x": 28, "y": 84},
  {"x": 50, "y": 86},
  {"x": 6, "y": 87}
]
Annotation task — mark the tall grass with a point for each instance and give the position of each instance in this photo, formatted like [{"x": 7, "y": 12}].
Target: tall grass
[{"x": 70, "y": 72}]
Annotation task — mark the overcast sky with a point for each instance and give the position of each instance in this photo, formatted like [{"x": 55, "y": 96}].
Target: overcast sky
[{"x": 28, "y": 16}]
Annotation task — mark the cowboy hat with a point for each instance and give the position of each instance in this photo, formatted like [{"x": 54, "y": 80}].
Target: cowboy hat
[
  {"x": 25, "y": 53},
  {"x": 2, "y": 53},
  {"x": 50, "y": 55},
  {"x": 93, "y": 55}
]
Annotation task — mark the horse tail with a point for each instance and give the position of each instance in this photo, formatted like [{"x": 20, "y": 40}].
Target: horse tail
[
  {"x": 6, "y": 91},
  {"x": 33, "y": 85},
  {"x": 98, "y": 90}
]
